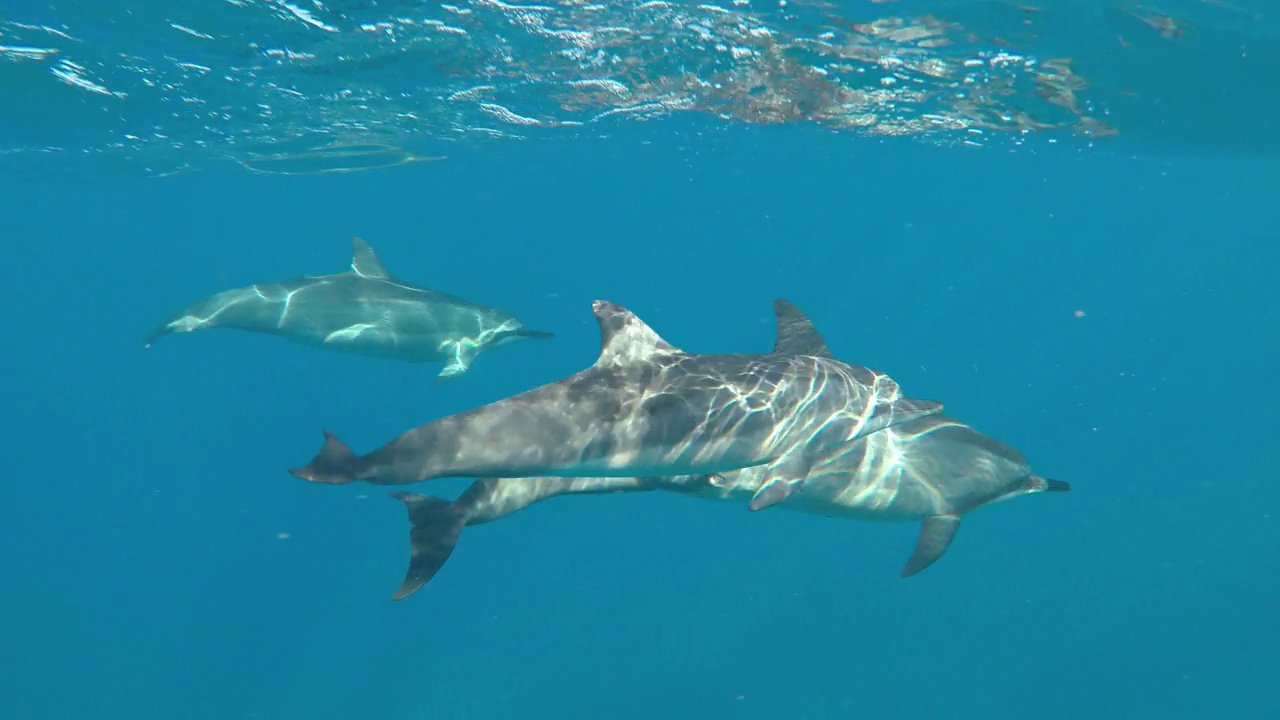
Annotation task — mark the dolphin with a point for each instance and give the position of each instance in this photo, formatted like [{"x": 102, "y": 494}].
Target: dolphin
[
  {"x": 646, "y": 408},
  {"x": 363, "y": 311},
  {"x": 933, "y": 469}
]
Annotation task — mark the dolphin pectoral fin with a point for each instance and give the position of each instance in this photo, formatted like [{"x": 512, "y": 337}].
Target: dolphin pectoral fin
[
  {"x": 771, "y": 493},
  {"x": 936, "y": 534},
  {"x": 463, "y": 354},
  {"x": 435, "y": 525},
  {"x": 785, "y": 477},
  {"x": 335, "y": 464},
  {"x": 537, "y": 334}
]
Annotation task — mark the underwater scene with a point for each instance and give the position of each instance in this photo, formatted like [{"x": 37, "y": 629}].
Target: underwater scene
[{"x": 739, "y": 359}]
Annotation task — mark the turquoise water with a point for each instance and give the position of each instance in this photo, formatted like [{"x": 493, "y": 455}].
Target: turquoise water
[{"x": 1096, "y": 288}]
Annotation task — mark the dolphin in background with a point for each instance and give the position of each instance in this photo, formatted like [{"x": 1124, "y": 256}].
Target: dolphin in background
[
  {"x": 933, "y": 469},
  {"x": 363, "y": 311},
  {"x": 646, "y": 408}
]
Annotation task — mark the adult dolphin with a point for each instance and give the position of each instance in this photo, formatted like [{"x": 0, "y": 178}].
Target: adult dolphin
[
  {"x": 646, "y": 408},
  {"x": 933, "y": 469},
  {"x": 363, "y": 311}
]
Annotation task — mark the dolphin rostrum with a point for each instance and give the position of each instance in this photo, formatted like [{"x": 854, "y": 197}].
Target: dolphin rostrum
[
  {"x": 646, "y": 408},
  {"x": 934, "y": 469},
  {"x": 363, "y": 311}
]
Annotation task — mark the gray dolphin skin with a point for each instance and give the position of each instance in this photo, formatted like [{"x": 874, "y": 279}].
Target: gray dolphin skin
[
  {"x": 933, "y": 469},
  {"x": 363, "y": 311},
  {"x": 646, "y": 408}
]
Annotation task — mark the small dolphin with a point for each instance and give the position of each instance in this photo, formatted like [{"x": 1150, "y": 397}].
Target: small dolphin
[
  {"x": 646, "y": 408},
  {"x": 363, "y": 311},
  {"x": 934, "y": 469}
]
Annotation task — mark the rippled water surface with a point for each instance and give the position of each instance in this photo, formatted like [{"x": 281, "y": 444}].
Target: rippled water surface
[{"x": 299, "y": 86}]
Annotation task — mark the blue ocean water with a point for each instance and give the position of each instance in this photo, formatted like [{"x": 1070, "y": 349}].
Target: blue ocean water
[{"x": 1106, "y": 303}]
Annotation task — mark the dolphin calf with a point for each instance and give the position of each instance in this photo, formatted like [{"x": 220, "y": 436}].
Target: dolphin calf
[
  {"x": 646, "y": 408},
  {"x": 933, "y": 469},
  {"x": 363, "y": 311}
]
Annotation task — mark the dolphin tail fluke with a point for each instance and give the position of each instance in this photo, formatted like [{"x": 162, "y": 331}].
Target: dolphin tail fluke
[
  {"x": 335, "y": 464},
  {"x": 936, "y": 534},
  {"x": 435, "y": 525}
]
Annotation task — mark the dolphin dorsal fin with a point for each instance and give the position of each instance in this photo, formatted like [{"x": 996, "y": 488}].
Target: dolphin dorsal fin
[
  {"x": 625, "y": 338},
  {"x": 796, "y": 335},
  {"x": 365, "y": 262}
]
